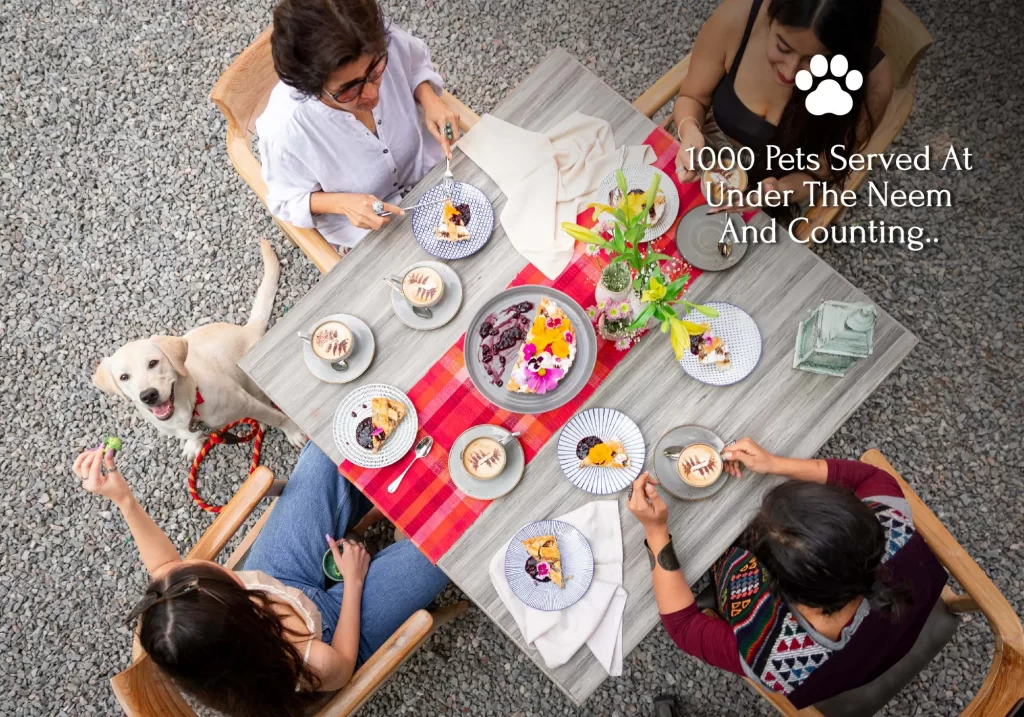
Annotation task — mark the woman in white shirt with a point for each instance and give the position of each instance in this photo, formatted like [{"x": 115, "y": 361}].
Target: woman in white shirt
[{"x": 356, "y": 119}]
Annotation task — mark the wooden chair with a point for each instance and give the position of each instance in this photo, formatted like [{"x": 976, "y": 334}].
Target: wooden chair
[
  {"x": 902, "y": 37},
  {"x": 1003, "y": 688},
  {"x": 144, "y": 691},
  {"x": 242, "y": 93}
]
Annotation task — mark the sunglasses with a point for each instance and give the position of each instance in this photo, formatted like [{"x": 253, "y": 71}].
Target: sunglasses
[{"x": 351, "y": 90}]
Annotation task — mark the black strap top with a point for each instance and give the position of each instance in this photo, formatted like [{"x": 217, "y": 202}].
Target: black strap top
[{"x": 737, "y": 120}]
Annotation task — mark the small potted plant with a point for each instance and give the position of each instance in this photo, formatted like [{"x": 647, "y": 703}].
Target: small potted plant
[{"x": 622, "y": 313}]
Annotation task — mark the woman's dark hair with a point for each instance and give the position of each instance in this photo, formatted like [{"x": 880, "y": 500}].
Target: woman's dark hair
[
  {"x": 822, "y": 547},
  {"x": 313, "y": 38},
  {"x": 844, "y": 27},
  {"x": 225, "y": 645}
]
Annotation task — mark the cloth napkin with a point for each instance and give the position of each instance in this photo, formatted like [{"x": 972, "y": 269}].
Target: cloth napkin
[
  {"x": 594, "y": 621},
  {"x": 547, "y": 177}
]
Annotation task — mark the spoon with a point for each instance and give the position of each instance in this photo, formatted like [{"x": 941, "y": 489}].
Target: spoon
[
  {"x": 422, "y": 449},
  {"x": 422, "y": 311},
  {"x": 672, "y": 452},
  {"x": 339, "y": 365}
]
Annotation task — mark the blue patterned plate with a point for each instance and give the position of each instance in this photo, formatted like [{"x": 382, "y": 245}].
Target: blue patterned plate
[
  {"x": 603, "y": 423},
  {"x": 481, "y": 221},
  {"x": 577, "y": 567}
]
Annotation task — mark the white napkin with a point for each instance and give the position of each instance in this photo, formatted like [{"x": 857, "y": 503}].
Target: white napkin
[
  {"x": 596, "y": 620},
  {"x": 547, "y": 177}
]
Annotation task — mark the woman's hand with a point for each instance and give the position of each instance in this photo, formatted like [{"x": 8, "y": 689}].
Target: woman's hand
[
  {"x": 645, "y": 503},
  {"x": 744, "y": 453},
  {"x": 112, "y": 485},
  {"x": 690, "y": 138},
  {"x": 439, "y": 117},
  {"x": 353, "y": 562},
  {"x": 769, "y": 184},
  {"x": 359, "y": 210}
]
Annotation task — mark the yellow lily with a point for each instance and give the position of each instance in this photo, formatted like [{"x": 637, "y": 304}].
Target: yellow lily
[
  {"x": 654, "y": 292},
  {"x": 694, "y": 329},
  {"x": 582, "y": 234},
  {"x": 679, "y": 336},
  {"x": 600, "y": 209}
]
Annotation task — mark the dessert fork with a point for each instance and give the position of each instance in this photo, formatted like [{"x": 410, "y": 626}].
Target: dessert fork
[{"x": 449, "y": 180}]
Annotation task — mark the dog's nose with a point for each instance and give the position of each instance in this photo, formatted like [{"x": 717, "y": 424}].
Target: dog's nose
[{"x": 149, "y": 396}]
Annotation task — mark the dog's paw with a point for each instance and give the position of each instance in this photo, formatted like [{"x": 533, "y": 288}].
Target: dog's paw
[
  {"x": 191, "y": 447},
  {"x": 294, "y": 434}
]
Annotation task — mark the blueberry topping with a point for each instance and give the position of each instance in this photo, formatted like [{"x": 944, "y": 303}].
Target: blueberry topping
[{"x": 584, "y": 446}]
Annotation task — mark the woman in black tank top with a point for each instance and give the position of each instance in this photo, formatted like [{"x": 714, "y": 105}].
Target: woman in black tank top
[{"x": 743, "y": 73}]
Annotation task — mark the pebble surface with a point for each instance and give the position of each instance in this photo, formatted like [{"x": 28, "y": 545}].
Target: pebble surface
[{"x": 121, "y": 217}]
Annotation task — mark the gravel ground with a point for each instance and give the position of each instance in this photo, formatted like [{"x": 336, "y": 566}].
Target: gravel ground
[{"x": 122, "y": 217}]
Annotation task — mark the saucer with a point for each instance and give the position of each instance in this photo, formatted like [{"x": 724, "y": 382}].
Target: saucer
[
  {"x": 515, "y": 463},
  {"x": 697, "y": 238},
  {"x": 443, "y": 311},
  {"x": 665, "y": 468},
  {"x": 358, "y": 361}
]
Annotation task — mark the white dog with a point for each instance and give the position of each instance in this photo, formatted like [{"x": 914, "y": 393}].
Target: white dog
[{"x": 172, "y": 380}]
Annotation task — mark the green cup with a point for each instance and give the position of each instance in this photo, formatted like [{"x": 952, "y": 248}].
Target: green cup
[{"x": 330, "y": 568}]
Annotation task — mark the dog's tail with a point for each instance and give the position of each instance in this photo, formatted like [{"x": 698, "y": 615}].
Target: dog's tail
[{"x": 264, "y": 302}]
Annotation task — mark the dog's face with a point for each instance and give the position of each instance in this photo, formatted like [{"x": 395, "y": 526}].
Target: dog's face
[{"x": 145, "y": 372}]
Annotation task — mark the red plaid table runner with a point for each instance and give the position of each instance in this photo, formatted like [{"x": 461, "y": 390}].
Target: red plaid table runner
[{"x": 428, "y": 508}]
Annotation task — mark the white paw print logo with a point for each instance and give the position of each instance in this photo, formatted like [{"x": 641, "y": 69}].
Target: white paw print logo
[{"x": 828, "y": 97}]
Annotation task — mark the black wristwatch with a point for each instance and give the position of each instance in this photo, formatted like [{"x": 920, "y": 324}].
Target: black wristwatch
[{"x": 666, "y": 558}]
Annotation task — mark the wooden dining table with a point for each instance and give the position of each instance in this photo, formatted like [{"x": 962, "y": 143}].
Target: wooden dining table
[{"x": 788, "y": 411}]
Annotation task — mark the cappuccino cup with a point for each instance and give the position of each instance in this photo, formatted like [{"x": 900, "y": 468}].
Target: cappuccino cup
[
  {"x": 484, "y": 458},
  {"x": 422, "y": 286},
  {"x": 699, "y": 465},
  {"x": 332, "y": 341},
  {"x": 715, "y": 183}
]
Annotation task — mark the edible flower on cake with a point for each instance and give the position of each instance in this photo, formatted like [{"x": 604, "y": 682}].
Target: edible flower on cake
[{"x": 546, "y": 354}]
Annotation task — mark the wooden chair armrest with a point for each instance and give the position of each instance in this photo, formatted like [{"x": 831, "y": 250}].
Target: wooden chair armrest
[
  {"x": 467, "y": 117},
  {"x": 663, "y": 91},
  {"x": 230, "y": 519},
  {"x": 380, "y": 666},
  {"x": 1004, "y": 683}
]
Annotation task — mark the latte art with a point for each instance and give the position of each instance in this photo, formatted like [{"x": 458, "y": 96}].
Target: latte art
[
  {"x": 484, "y": 458},
  {"x": 423, "y": 286},
  {"x": 332, "y": 341},
  {"x": 700, "y": 465}
]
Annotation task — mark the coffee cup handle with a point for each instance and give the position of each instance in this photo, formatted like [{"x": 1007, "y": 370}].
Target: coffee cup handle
[
  {"x": 394, "y": 282},
  {"x": 304, "y": 337}
]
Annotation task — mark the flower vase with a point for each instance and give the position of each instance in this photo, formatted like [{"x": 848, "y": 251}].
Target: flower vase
[{"x": 615, "y": 285}]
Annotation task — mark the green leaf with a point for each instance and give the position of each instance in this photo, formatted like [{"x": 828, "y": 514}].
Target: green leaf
[
  {"x": 706, "y": 310},
  {"x": 620, "y": 179},
  {"x": 644, "y": 316},
  {"x": 659, "y": 312},
  {"x": 670, "y": 310},
  {"x": 676, "y": 286},
  {"x": 652, "y": 192}
]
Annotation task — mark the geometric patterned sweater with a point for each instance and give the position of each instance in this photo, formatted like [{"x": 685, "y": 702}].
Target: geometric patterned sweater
[{"x": 762, "y": 638}]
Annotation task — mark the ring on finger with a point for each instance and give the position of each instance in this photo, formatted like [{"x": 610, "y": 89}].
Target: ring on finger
[{"x": 378, "y": 207}]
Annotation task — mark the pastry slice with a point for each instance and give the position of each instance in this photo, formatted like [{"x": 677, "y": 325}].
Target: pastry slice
[
  {"x": 546, "y": 354},
  {"x": 385, "y": 416},
  {"x": 713, "y": 351},
  {"x": 452, "y": 226},
  {"x": 544, "y": 548},
  {"x": 606, "y": 454}
]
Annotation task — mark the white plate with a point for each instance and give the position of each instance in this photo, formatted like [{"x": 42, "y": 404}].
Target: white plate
[
  {"x": 603, "y": 423},
  {"x": 577, "y": 567},
  {"x": 358, "y": 361},
  {"x": 742, "y": 337},
  {"x": 515, "y": 463},
  {"x": 355, "y": 408},
  {"x": 639, "y": 176},
  {"x": 481, "y": 221},
  {"x": 443, "y": 311}
]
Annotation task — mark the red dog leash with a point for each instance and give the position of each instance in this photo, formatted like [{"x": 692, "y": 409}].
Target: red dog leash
[{"x": 224, "y": 435}]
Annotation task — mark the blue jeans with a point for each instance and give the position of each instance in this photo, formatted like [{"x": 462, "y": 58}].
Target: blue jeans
[{"x": 319, "y": 501}]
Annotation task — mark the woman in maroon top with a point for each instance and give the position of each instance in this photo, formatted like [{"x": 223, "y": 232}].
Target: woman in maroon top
[{"x": 828, "y": 587}]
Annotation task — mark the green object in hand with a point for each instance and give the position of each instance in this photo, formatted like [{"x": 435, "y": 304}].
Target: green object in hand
[
  {"x": 330, "y": 568},
  {"x": 448, "y": 130},
  {"x": 112, "y": 443}
]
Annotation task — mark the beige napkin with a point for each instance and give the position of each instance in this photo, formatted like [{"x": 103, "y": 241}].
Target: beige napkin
[
  {"x": 594, "y": 621},
  {"x": 547, "y": 178}
]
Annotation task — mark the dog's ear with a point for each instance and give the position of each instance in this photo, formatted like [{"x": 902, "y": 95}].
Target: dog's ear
[
  {"x": 103, "y": 379},
  {"x": 175, "y": 348}
]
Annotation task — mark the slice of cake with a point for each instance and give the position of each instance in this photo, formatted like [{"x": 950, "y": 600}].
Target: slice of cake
[
  {"x": 452, "y": 226},
  {"x": 544, "y": 549},
  {"x": 385, "y": 415},
  {"x": 712, "y": 351},
  {"x": 608, "y": 453},
  {"x": 547, "y": 352}
]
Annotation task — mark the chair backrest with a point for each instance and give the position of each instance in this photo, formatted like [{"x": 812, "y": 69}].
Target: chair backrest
[
  {"x": 144, "y": 691},
  {"x": 904, "y": 40},
  {"x": 244, "y": 89}
]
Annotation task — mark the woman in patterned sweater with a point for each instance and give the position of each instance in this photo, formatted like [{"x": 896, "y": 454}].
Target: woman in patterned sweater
[{"x": 828, "y": 587}]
